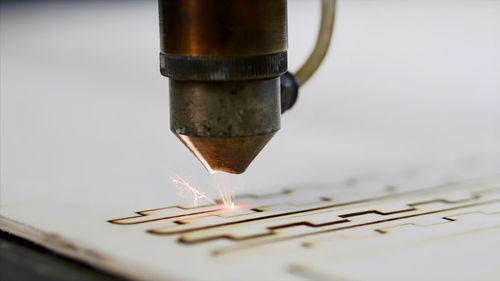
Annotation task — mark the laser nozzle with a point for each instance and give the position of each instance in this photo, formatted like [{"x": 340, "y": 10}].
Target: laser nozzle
[
  {"x": 225, "y": 124},
  {"x": 226, "y": 154}
]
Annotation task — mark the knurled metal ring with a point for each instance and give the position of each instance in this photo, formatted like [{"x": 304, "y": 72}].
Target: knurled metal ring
[{"x": 223, "y": 68}]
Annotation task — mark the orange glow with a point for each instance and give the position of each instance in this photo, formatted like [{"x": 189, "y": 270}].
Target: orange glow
[
  {"x": 189, "y": 144},
  {"x": 235, "y": 207}
]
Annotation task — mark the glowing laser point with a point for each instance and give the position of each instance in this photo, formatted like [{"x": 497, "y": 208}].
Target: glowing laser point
[{"x": 186, "y": 189}]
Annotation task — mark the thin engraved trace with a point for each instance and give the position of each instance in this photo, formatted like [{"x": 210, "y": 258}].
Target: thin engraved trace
[{"x": 291, "y": 215}]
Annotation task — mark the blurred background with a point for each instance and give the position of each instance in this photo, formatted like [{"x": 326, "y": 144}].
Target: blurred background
[{"x": 84, "y": 108}]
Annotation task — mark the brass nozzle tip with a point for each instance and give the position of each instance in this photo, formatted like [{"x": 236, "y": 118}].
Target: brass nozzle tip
[{"x": 227, "y": 154}]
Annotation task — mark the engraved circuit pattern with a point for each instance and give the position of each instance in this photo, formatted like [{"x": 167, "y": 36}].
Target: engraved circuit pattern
[{"x": 309, "y": 217}]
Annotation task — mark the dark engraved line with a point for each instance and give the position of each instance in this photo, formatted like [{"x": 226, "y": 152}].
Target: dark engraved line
[
  {"x": 271, "y": 233},
  {"x": 285, "y": 191},
  {"x": 141, "y": 215},
  {"x": 384, "y": 231},
  {"x": 153, "y": 231},
  {"x": 304, "y": 223},
  {"x": 473, "y": 197},
  {"x": 219, "y": 252}
]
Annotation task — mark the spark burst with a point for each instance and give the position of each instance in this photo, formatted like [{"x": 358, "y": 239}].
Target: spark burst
[
  {"x": 184, "y": 187},
  {"x": 196, "y": 194}
]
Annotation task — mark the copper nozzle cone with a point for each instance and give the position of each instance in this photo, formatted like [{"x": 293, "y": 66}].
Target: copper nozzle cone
[{"x": 227, "y": 154}]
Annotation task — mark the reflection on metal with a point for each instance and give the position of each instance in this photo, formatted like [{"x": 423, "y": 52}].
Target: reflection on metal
[{"x": 224, "y": 60}]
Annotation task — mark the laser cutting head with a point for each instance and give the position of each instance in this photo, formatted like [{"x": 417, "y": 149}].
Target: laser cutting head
[
  {"x": 225, "y": 124},
  {"x": 224, "y": 60}
]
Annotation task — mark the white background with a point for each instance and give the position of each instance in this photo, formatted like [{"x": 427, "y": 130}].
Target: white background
[{"x": 84, "y": 110}]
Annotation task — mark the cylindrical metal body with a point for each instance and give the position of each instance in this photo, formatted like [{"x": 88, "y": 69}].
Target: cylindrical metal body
[
  {"x": 224, "y": 59},
  {"x": 225, "y": 109},
  {"x": 223, "y": 27}
]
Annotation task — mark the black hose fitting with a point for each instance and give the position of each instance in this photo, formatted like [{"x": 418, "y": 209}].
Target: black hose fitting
[{"x": 289, "y": 91}]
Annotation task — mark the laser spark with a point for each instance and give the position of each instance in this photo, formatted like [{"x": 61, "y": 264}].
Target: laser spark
[
  {"x": 186, "y": 189},
  {"x": 226, "y": 191}
]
